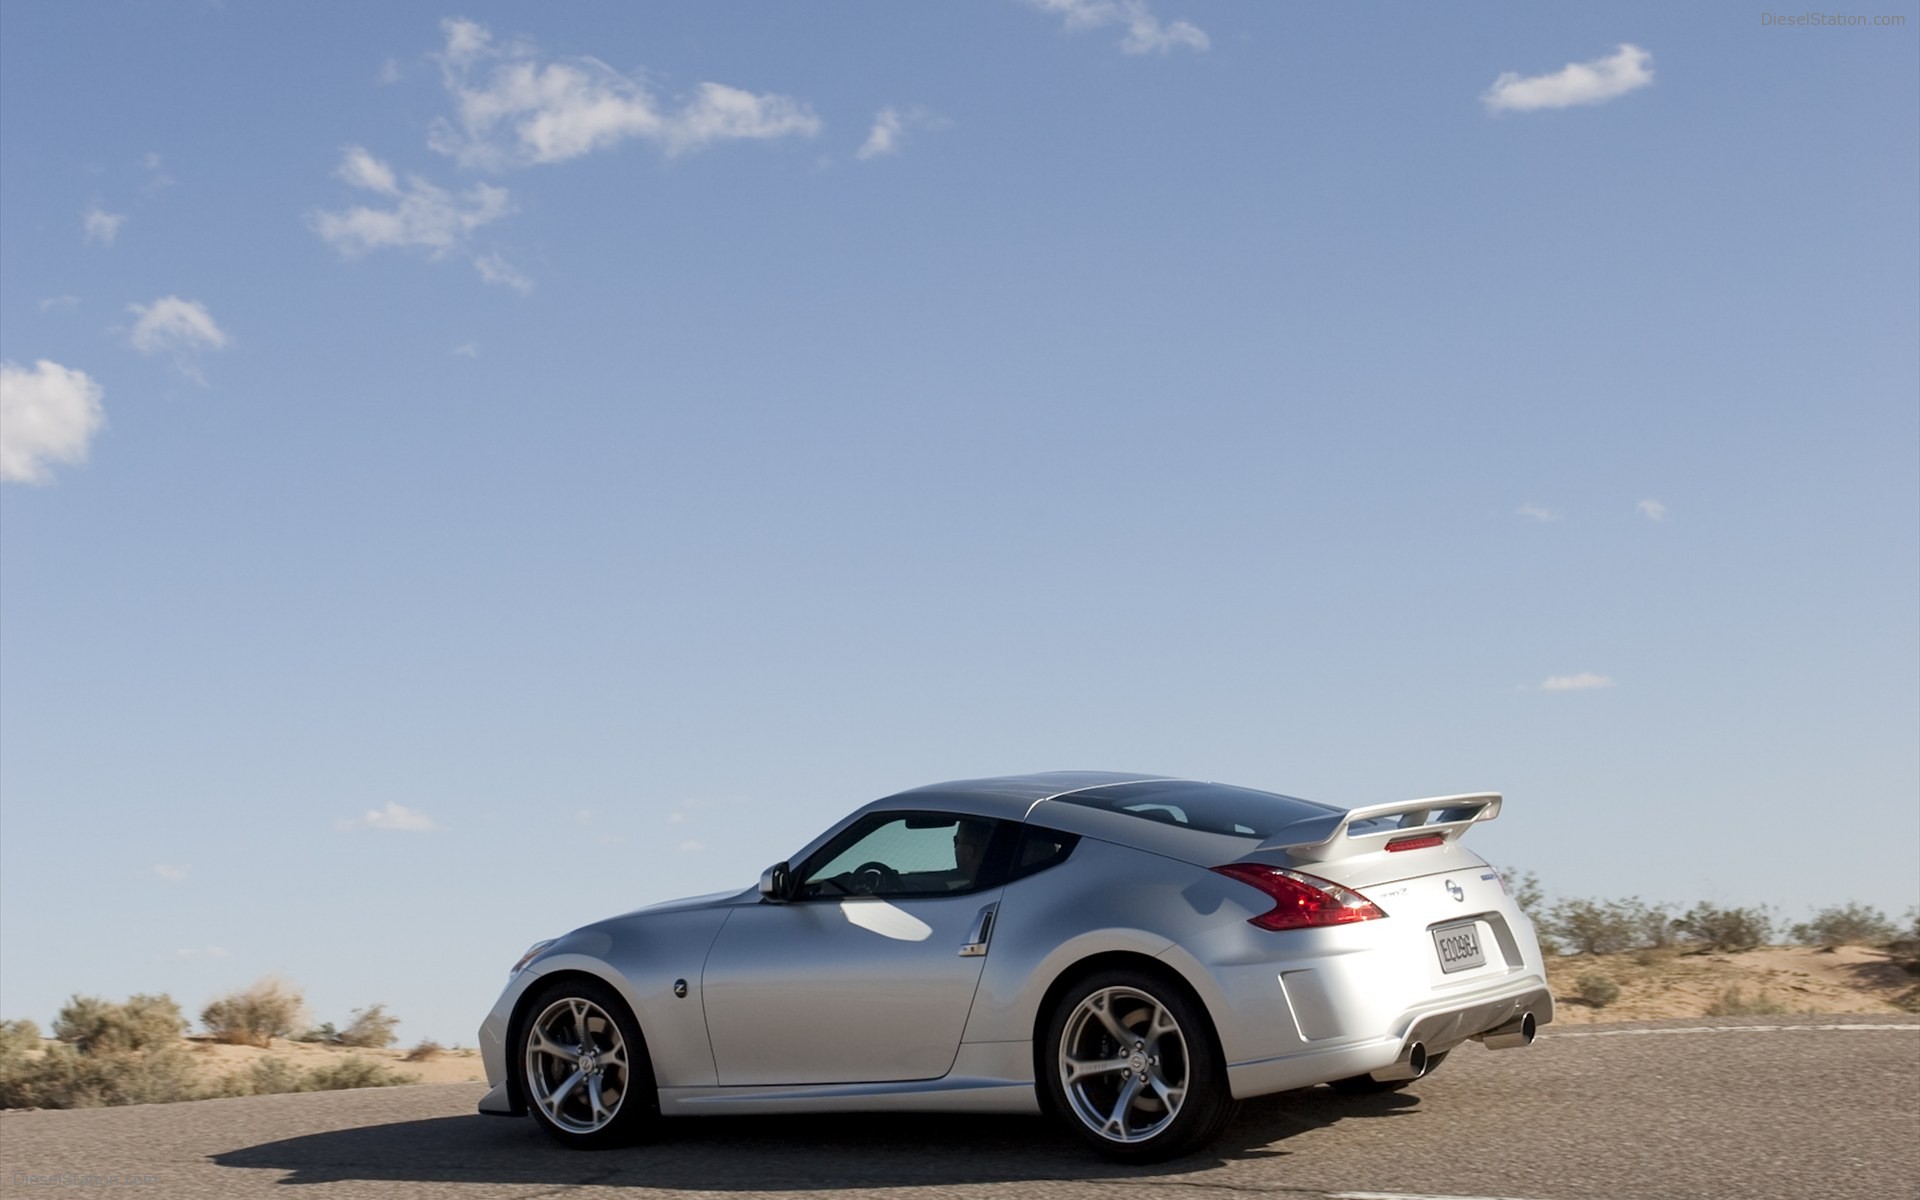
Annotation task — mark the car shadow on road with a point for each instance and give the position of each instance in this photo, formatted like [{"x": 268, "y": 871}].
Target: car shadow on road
[{"x": 825, "y": 1153}]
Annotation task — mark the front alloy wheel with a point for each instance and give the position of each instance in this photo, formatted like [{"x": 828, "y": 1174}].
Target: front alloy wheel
[
  {"x": 1134, "y": 1068},
  {"x": 584, "y": 1069}
]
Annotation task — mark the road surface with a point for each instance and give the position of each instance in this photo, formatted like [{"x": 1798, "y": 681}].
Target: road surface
[{"x": 1791, "y": 1108}]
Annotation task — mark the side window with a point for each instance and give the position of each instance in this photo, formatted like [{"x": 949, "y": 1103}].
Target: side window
[
  {"x": 1039, "y": 849},
  {"x": 902, "y": 854}
]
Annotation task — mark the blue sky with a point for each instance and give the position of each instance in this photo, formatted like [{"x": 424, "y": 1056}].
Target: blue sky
[{"x": 469, "y": 471}]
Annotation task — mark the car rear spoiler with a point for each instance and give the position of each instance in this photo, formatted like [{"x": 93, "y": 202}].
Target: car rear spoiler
[{"x": 1318, "y": 839}]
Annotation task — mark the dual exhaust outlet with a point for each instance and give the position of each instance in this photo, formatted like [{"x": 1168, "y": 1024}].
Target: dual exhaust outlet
[{"x": 1413, "y": 1060}]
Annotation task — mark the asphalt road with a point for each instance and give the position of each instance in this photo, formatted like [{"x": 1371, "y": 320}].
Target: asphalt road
[{"x": 1745, "y": 1109}]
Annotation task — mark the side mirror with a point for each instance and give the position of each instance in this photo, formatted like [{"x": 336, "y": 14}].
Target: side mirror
[{"x": 776, "y": 883}]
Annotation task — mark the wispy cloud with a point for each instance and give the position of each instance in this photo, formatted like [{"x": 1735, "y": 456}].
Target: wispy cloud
[
  {"x": 396, "y": 817},
  {"x": 495, "y": 269},
  {"x": 202, "y": 952},
  {"x": 514, "y": 107},
  {"x": 169, "y": 872},
  {"x": 1146, "y": 33},
  {"x": 176, "y": 327},
  {"x": 99, "y": 227},
  {"x": 48, "y": 415},
  {"x": 1626, "y": 69},
  {"x": 691, "y": 847},
  {"x": 389, "y": 73},
  {"x": 1536, "y": 512},
  {"x": 59, "y": 303},
  {"x": 157, "y": 178},
  {"x": 891, "y": 127},
  {"x": 1652, "y": 510},
  {"x": 416, "y": 215},
  {"x": 467, "y": 350},
  {"x": 1583, "y": 682}
]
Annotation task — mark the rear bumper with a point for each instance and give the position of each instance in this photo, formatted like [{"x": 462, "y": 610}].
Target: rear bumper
[{"x": 1439, "y": 1028}]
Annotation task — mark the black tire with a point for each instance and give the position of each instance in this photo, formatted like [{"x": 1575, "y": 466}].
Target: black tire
[
  {"x": 613, "y": 1100},
  {"x": 1367, "y": 1085},
  {"x": 1160, "y": 1092}
]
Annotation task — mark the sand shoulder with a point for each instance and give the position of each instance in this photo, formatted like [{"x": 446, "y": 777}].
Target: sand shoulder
[{"x": 1777, "y": 979}]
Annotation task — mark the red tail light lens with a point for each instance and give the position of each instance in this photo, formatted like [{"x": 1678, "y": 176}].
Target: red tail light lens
[
  {"x": 1301, "y": 900},
  {"x": 1420, "y": 842}
]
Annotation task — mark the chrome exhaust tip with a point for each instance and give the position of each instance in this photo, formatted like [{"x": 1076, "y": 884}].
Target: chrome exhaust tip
[
  {"x": 1411, "y": 1064},
  {"x": 1511, "y": 1036}
]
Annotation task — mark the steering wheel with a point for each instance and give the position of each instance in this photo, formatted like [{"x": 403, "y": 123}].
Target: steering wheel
[{"x": 870, "y": 878}]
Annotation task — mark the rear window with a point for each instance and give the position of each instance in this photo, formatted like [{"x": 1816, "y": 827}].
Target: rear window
[{"x": 1208, "y": 807}]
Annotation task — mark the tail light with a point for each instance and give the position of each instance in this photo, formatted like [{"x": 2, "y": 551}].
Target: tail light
[
  {"x": 1301, "y": 900},
  {"x": 1418, "y": 842}
]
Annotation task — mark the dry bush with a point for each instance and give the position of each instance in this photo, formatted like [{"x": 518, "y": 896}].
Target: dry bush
[
  {"x": 370, "y": 1029},
  {"x": 95, "y": 1026},
  {"x": 426, "y": 1051},
  {"x": 355, "y": 1072},
  {"x": 1853, "y": 924},
  {"x": 268, "y": 1076},
  {"x": 1734, "y": 1002},
  {"x": 1598, "y": 989},
  {"x": 1714, "y": 928},
  {"x": 269, "y": 1009}
]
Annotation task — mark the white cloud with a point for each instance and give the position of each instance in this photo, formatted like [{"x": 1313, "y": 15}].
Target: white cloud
[
  {"x": 1536, "y": 512},
  {"x": 363, "y": 170},
  {"x": 170, "y": 873},
  {"x": 52, "y": 303},
  {"x": 207, "y": 951},
  {"x": 1627, "y": 69},
  {"x": 495, "y": 269},
  {"x": 1585, "y": 681},
  {"x": 1145, "y": 32},
  {"x": 890, "y": 129},
  {"x": 389, "y": 72},
  {"x": 177, "y": 327},
  {"x": 47, "y": 415},
  {"x": 524, "y": 111},
  {"x": 1652, "y": 510},
  {"x": 393, "y": 817},
  {"x": 467, "y": 350},
  {"x": 422, "y": 216},
  {"x": 157, "y": 178},
  {"x": 101, "y": 227}
]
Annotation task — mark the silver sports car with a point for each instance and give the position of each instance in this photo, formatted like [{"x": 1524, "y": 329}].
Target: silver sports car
[{"x": 1130, "y": 952}]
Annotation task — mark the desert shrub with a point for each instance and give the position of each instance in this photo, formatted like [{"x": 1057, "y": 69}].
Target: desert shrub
[
  {"x": 1714, "y": 928},
  {"x": 1854, "y": 924},
  {"x": 95, "y": 1026},
  {"x": 1598, "y": 989},
  {"x": 355, "y": 1072},
  {"x": 19, "y": 1058},
  {"x": 1734, "y": 1002},
  {"x": 426, "y": 1051},
  {"x": 371, "y": 1028},
  {"x": 254, "y": 1017},
  {"x": 323, "y": 1032},
  {"x": 267, "y": 1076},
  {"x": 1592, "y": 926},
  {"x": 65, "y": 1077}
]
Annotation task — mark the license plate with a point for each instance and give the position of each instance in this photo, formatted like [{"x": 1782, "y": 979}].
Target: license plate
[{"x": 1459, "y": 948}]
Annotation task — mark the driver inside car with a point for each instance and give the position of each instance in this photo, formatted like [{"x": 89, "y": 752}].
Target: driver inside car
[{"x": 969, "y": 847}]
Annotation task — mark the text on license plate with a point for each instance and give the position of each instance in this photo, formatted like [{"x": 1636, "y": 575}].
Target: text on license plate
[{"x": 1459, "y": 948}]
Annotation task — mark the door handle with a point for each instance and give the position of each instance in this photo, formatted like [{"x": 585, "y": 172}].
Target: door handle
[{"x": 982, "y": 933}]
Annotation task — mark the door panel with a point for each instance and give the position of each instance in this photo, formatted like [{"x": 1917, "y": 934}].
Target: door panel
[{"x": 856, "y": 989}]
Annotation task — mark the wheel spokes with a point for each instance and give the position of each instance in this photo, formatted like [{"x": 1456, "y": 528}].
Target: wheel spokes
[
  {"x": 576, "y": 1065},
  {"x": 1123, "y": 1061}
]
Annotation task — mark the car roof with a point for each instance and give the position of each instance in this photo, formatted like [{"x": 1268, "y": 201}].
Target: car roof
[{"x": 1010, "y": 797}]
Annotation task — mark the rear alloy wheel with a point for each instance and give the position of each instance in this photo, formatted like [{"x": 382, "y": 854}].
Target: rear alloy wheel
[
  {"x": 1367, "y": 1085},
  {"x": 1133, "y": 1070},
  {"x": 583, "y": 1067}
]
